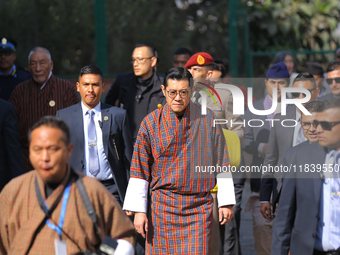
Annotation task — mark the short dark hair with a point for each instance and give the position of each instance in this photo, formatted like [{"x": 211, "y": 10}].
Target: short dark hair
[
  {"x": 178, "y": 74},
  {"x": 91, "y": 69},
  {"x": 224, "y": 63},
  {"x": 314, "y": 106},
  {"x": 221, "y": 69},
  {"x": 280, "y": 57},
  {"x": 54, "y": 122},
  {"x": 151, "y": 46},
  {"x": 305, "y": 77},
  {"x": 314, "y": 68},
  {"x": 335, "y": 65},
  {"x": 332, "y": 102},
  {"x": 183, "y": 51}
]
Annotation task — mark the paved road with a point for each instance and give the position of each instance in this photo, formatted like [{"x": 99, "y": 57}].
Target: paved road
[{"x": 246, "y": 228}]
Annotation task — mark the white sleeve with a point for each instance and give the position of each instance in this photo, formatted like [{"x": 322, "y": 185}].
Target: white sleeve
[
  {"x": 136, "y": 197},
  {"x": 124, "y": 248},
  {"x": 225, "y": 191}
]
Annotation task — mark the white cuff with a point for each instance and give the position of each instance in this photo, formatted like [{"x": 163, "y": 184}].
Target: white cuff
[
  {"x": 124, "y": 248},
  {"x": 225, "y": 192},
  {"x": 136, "y": 197},
  {"x": 260, "y": 150}
]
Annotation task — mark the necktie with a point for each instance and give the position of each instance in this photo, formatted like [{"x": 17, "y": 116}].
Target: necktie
[
  {"x": 92, "y": 145},
  {"x": 300, "y": 138},
  {"x": 197, "y": 96},
  {"x": 335, "y": 202}
]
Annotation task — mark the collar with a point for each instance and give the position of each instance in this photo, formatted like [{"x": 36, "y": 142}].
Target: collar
[
  {"x": 60, "y": 187},
  {"x": 298, "y": 115},
  {"x": 12, "y": 72},
  {"x": 49, "y": 76},
  {"x": 322, "y": 92},
  {"x": 96, "y": 109}
]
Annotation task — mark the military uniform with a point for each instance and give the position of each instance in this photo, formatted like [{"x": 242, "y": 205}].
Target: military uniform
[{"x": 10, "y": 81}]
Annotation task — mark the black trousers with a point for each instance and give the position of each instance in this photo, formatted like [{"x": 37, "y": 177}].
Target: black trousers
[{"x": 230, "y": 232}]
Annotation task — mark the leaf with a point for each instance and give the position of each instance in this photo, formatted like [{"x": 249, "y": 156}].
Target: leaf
[{"x": 306, "y": 9}]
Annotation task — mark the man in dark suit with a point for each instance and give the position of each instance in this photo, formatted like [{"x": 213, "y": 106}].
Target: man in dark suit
[
  {"x": 307, "y": 219},
  {"x": 12, "y": 164},
  {"x": 100, "y": 135},
  {"x": 256, "y": 143},
  {"x": 309, "y": 131},
  {"x": 139, "y": 93},
  {"x": 283, "y": 136},
  {"x": 333, "y": 80}
]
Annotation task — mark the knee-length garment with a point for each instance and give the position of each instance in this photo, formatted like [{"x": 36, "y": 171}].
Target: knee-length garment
[{"x": 167, "y": 152}]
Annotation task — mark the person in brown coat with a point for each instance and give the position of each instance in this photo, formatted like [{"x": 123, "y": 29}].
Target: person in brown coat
[{"x": 27, "y": 227}]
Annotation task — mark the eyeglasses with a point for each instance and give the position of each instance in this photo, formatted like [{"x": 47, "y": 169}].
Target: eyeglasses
[
  {"x": 306, "y": 125},
  {"x": 297, "y": 94},
  {"x": 325, "y": 125},
  {"x": 6, "y": 53},
  {"x": 182, "y": 93},
  {"x": 139, "y": 60},
  {"x": 330, "y": 80}
]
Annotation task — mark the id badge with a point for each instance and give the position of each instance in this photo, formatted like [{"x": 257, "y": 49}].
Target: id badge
[{"x": 60, "y": 247}]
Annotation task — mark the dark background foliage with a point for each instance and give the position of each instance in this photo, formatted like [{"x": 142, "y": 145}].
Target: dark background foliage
[{"x": 67, "y": 29}]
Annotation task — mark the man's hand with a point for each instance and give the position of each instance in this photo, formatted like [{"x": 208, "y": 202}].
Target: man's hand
[
  {"x": 129, "y": 213},
  {"x": 141, "y": 223},
  {"x": 225, "y": 214},
  {"x": 266, "y": 210},
  {"x": 264, "y": 149}
]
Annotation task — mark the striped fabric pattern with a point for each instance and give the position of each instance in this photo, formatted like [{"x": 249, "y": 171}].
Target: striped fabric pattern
[
  {"x": 31, "y": 103},
  {"x": 165, "y": 154}
]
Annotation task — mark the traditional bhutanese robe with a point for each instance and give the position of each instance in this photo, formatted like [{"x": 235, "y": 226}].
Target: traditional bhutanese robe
[
  {"x": 31, "y": 103},
  {"x": 166, "y": 155},
  {"x": 21, "y": 216}
]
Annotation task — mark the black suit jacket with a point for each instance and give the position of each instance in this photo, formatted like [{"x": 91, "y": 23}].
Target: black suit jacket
[
  {"x": 115, "y": 128},
  {"x": 298, "y": 211},
  {"x": 124, "y": 90},
  {"x": 12, "y": 164},
  {"x": 323, "y": 98}
]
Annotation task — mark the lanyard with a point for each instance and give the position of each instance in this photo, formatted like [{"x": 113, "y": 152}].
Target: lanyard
[{"x": 62, "y": 213}]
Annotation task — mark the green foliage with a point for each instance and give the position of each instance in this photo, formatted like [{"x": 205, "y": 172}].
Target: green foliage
[
  {"x": 293, "y": 25},
  {"x": 66, "y": 28}
]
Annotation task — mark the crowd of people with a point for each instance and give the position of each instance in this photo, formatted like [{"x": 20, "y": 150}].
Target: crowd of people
[{"x": 81, "y": 176}]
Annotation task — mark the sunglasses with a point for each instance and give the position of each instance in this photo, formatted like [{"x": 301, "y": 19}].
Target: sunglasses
[
  {"x": 330, "y": 80},
  {"x": 325, "y": 125},
  {"x": 297, "y": 94}
]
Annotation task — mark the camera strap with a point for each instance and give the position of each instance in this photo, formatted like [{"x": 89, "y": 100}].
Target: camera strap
[
  {"x": 41, "y": 201},
  {"x": 87, "y": 203},
  {"x": 48, "y": 212}
]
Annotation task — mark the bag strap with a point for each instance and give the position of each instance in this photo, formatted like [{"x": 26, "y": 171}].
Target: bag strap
[{"x": 87, "y": 203}]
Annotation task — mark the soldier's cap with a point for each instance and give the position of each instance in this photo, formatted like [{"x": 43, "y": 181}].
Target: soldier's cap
[
  {"x": 7, "y": 44},
  {"x": 199, "y": 59},
  {"x": 278, "y": 71}
]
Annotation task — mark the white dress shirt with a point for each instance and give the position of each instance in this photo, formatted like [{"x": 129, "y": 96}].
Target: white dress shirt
[
  {"x": 104, "y": 165},
  {"x": 322, "y": 241}
]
